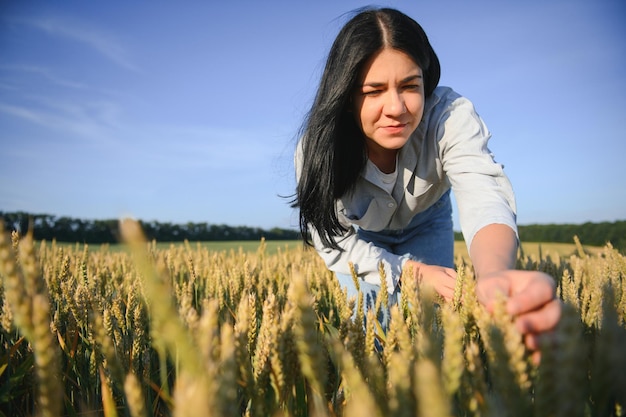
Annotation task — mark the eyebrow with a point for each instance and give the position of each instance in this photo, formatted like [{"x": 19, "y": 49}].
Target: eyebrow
[{"x": 404, "y": 80}]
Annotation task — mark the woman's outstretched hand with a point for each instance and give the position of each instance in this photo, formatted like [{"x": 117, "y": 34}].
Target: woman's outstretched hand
[
  {"x": 530, "y": 299},
  {"x": 530, "y": 295}
]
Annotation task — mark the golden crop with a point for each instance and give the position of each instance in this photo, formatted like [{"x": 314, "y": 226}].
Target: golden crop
[{"x": 186, "y": 331}]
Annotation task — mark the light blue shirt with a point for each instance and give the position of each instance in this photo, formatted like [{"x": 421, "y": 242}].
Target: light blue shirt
[{"x": 447, "y": 150}]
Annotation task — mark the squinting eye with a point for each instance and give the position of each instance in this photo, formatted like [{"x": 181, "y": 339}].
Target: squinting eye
[
  {"x": 412, "y": 87},
  {"x": 371, "y": 93}
]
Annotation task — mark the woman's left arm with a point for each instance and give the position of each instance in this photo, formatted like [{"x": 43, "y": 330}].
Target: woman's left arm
[
  {"x": 530, "y": 295},
  {"x": 486, "y": 206}
]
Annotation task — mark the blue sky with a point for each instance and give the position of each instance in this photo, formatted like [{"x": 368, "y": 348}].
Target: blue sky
[{"x": 189, "y": 111}]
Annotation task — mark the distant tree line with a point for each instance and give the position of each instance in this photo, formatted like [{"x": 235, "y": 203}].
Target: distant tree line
[
  {"x": 592, "y": 234},
  {"x": 67, "y": 229}
]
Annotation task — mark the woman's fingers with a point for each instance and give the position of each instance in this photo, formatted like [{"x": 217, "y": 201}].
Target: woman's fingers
[
  {"x": 530, "y": 291},
  {"x": 445, "y": 284},
  {"x": 540, "y": 320},
  {"x": 441, "y": 279}
]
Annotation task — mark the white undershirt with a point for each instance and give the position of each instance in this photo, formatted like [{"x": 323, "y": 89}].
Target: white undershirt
[{"x": 379, "y": 178}]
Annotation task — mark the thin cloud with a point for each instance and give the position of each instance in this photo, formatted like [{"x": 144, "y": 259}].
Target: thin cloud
[
  {"x": 44, "y": 73},
  {"x": 92, "y": 121},
  {"x": 26, "y": 114},
  {"x": 101, "y": 42}
]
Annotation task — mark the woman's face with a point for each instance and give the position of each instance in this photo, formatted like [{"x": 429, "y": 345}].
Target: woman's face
[{"x": 388, "y": 103}]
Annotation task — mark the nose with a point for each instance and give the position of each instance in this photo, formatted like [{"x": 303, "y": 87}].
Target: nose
[{"x": 394, "y": 104}]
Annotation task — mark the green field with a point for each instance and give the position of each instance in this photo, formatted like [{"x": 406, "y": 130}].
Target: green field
[
  {"x": 535, "y": 249},
  {"x": 272, "y": 246},
  {"x": 247, "y": 246}
]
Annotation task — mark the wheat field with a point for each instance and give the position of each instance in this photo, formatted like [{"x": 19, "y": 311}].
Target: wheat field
[{"x": 188, "y": 331}]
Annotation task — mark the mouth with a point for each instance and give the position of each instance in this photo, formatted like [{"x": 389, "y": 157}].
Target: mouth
[{"x": 395, "y": 128}]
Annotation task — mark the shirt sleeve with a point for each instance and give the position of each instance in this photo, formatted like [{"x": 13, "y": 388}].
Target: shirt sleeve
[
  {"x": 365, "y": 256},
  {"x": 483, "y": 191}
]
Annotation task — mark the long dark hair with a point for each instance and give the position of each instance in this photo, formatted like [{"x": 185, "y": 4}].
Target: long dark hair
[{"x": 333, "y": 146}]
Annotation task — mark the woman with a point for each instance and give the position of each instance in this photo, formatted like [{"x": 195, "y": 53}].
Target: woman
[{"x": 381, "y": 148}]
